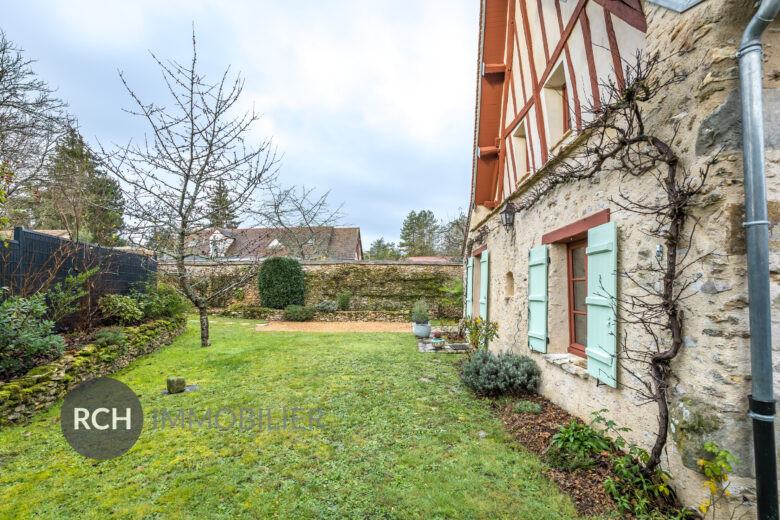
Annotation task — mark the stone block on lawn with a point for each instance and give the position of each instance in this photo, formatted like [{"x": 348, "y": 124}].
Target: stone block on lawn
[{"x": 176, "y": 385}]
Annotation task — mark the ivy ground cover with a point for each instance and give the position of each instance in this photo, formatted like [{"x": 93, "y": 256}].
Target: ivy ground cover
[{"x": 399, "y": 438}]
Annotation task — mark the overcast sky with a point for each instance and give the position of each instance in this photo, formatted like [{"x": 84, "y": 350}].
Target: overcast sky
[{"x": 373, "y": 100}]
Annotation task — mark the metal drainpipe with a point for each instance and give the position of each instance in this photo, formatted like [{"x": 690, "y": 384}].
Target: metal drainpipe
[{"x": 762, "y": 402}]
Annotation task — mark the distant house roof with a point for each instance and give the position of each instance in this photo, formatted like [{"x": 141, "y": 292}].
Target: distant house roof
[{"x": 322, "y": 243}]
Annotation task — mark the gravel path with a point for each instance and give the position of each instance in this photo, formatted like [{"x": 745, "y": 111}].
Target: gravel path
[{"x": 336, "y": 326}]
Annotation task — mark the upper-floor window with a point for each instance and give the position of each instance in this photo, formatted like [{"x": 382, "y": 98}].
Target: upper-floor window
[
  {"x": 520, "y": 148},
  {"x": 556, "y": 107}
]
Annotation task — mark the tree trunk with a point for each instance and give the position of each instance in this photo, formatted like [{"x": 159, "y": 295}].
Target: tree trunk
[{"x": 204, "y": 326}]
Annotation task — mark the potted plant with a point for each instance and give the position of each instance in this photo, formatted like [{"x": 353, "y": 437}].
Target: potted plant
[
  {"x": 437, "y": 341},
  {"x": 419, "y": 317}
]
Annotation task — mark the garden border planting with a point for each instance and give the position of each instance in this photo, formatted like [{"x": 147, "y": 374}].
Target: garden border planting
[{"x": 42, "y": 386}]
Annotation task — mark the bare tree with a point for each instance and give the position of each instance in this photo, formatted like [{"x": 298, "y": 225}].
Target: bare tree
[
  {"x": 303, "y": 218},
  {"x": 193, "y": 144},
  {"x": 31, "y": 118}
]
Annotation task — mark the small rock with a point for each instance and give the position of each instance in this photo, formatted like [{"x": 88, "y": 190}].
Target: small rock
[
  {"x": 482, "y": 434},
  {"x": 426, "y": 380},
  {"x": 176, "y": 385}
]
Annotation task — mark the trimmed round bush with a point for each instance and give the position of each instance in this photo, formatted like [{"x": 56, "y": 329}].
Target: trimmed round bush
[
  {"x": 505, "y": 374},
  {"x": 281, "y": 283},
  {"x": 299, "y": 313}
]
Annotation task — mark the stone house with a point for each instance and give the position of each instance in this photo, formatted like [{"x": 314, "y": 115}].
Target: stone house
[{"x": 551, "y": 279}]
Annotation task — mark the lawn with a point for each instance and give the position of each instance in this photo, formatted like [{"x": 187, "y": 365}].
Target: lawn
[{"x": 400, "y": 438}]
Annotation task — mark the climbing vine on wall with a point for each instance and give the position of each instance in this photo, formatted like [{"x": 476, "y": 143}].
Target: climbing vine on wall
[{"x": 618, "y": 141}]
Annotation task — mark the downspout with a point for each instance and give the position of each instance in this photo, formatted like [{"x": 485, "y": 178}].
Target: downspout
[{"x": 762, "y": 402}]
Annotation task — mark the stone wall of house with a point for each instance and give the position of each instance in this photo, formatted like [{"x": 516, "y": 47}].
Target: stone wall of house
[
  {"x": 375, "y": 285},
  {"x": 42, "y": 386},
  {"x": 708, "y": 397}
]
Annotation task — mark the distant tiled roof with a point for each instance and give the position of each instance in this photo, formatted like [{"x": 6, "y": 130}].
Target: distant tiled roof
[{"x": 326, "y": 243}]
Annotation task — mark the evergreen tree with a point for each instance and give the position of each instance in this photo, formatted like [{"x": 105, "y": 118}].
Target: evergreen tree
[
  {"x": 381, "y": 250},
  {"x": 220, "y": 208},
  {"x": 77, "y": 195},
  {"x": 419, "y": 234}
]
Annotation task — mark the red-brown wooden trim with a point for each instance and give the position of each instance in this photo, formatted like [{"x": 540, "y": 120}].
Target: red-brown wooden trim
[
  {"x": 631, "y": 14},
  {"x": 487, "y": 151},
  {"x": 574, "y": 347},
  {"x": 495, "y": 68},
  {"x": 537, "y": 99},
  {"x": 479, "y": 250},
  {"x": 572, "y": 78},
  {"x": 574, "y": 231},
  {"x": 553, "y": 59},
  {"x": 614, "y": 49},
  {"x": 509, "y": 49},
  {"x": 544, "y": 31},
  {"x": 512, "y": 88},
  {"x": 594, "y": 79},
  {"x": 520, "y": 71}
]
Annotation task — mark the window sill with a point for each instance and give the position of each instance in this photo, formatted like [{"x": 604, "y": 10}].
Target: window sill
[{"x": 569, "y": 363}]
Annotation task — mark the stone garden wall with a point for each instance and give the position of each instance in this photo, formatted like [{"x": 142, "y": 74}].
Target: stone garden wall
[
  {"x": 42, "y": 386},
  {"x": 375, "y": 285},
  {"x": 249, "y": 312}
]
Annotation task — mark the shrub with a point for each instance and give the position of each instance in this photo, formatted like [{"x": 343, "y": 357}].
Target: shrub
[
  {"x": 64, "y": 297},
  {"x": 125, "y": 309},
  {"x": 344, "y": 299},
  {"x": 281, "y": 283},
  {"x": 480, "y": 332},
  {"x": 327, "y": 306},
  {"x": 299, "y": 313},
  {"x": 162, "y": 301},
  {"x": 25, "y": 335},
  {"x": 108, "y": 336},
  {"x": 574, "y": 445},
  {"x": 505, "y": 374},
  {"x": 419, "y": 312},
  {"x": 526, "y": 407}
]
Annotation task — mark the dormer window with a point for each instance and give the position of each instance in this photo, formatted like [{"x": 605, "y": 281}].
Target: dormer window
[
  {"x": 275, "y": 244},
  {"x": 219, "y": 244}
]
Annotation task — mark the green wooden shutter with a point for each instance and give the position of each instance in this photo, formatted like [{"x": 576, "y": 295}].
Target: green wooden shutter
[
  {"x": 483, "y": 285},
  {"x": 537, "y": 299},
  {"x": 469, "y": 285},
  {"x": 602, "y": 289}
]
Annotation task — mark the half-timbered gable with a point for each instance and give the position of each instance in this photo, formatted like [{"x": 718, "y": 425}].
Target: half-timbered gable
[{"x": 543, "y": 64}]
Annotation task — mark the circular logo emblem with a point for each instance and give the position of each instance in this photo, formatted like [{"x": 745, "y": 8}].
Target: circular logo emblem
[{"x": 101, "y": 418}]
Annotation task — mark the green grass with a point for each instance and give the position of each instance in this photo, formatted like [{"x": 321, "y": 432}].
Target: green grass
[
  {"x": 443, "y": 321},
  {"x": 391, "y": 445}
]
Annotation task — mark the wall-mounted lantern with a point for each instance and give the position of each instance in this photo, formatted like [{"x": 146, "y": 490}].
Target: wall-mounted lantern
[{"x": 508, "y": 215}]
